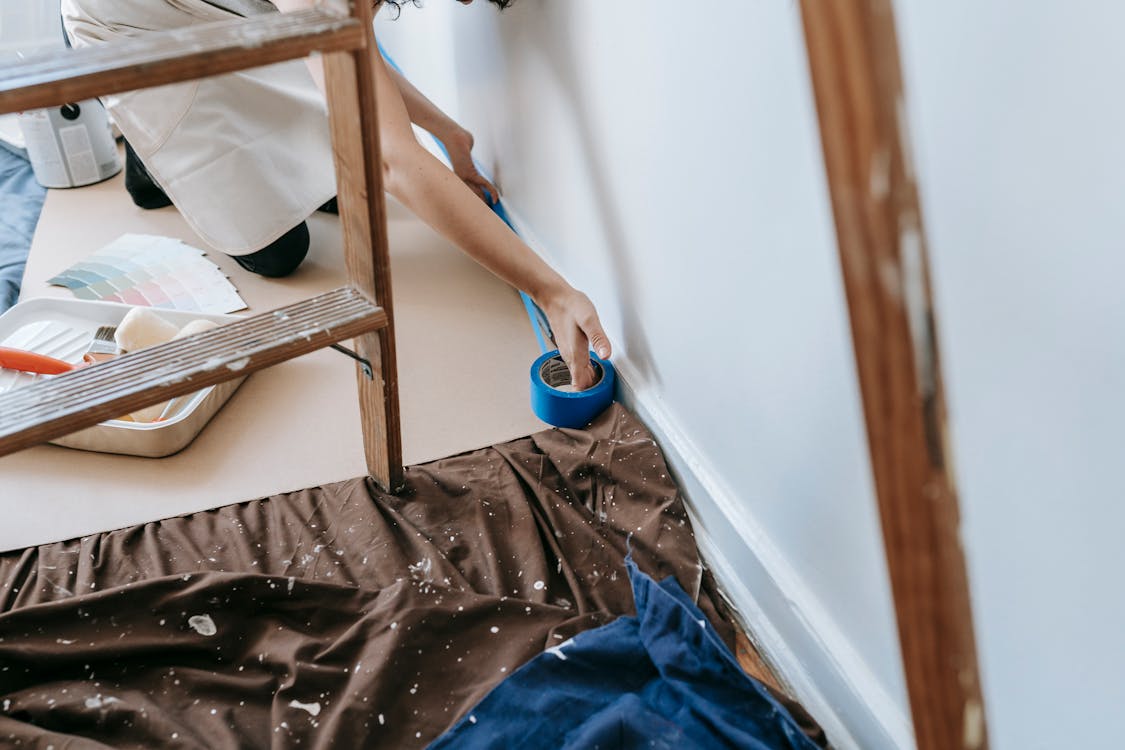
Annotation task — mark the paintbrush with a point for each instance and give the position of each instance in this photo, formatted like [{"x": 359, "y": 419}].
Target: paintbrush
[{"x": 103, "y": 347}]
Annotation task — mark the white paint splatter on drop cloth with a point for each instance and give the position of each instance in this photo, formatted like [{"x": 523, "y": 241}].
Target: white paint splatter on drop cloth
[
  {"x": 203, "y": 624},
  {"x": 422, "y": 570},
  {"x": 312, "y": 708},
  {"x": 557, "y": 650},
  {"x": 99, "y": 702}
]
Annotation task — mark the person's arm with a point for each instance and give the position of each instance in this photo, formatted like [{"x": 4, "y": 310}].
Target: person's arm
[
  {"x": 457, "y": 140},
  {"x": 441, "y": 199},
  {"x": 437, "y": 196}
]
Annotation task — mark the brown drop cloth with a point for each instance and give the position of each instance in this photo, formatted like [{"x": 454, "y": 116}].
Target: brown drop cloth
[{"x": 337, "y": 616}]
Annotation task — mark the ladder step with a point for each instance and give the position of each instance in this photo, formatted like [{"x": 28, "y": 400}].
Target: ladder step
[
  {"x": 63, "y": 404},
  {"x": 161, "y": 57}
]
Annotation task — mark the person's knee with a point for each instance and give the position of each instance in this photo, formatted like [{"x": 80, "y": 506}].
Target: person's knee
[
  {"x": 139, "y": 183},
  {"x": 281, "y": 257}
]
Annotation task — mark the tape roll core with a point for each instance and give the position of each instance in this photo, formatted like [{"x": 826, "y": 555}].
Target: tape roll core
[
  {"x": 565, "y": 408},
  {"x": 556, "y": 374}
]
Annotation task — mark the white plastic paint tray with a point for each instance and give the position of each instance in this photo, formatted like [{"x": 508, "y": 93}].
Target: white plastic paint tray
[{"x": 64, "y": 328}]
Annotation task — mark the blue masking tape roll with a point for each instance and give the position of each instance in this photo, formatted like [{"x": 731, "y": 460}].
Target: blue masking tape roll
[{"x": 562, "y": 408}]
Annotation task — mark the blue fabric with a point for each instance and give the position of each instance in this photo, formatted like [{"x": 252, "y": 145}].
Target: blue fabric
[
  {"x": 662, "y": 679},
  {"x": 21, "y": 200}
]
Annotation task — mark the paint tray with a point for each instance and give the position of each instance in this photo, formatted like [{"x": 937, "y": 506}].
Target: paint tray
[{"x": 63, "y": 328}]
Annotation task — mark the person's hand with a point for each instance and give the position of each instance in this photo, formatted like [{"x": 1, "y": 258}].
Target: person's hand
[
  {"x": 577, "y": 330},
  {"x": 459, "y": 146}
]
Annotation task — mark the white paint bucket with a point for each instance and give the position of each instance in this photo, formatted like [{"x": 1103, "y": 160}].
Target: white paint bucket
[{"x": 71, "y": 145}]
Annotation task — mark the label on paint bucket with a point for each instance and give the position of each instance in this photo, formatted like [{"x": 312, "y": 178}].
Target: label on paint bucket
[{"x": 43, "y": 150}]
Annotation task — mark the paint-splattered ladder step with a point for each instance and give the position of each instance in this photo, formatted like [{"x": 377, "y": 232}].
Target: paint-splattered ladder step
[{"x": 65, "y": 403}]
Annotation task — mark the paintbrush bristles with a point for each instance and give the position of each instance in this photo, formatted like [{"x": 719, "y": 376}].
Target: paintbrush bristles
[{"x": 103, "y": 345}]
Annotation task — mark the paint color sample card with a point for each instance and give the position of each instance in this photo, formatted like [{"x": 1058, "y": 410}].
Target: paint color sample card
[{"x": 144, "y": 269}]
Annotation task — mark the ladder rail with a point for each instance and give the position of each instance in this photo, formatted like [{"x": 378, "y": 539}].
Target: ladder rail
[
  {"x": 856, "y": 72},
  {"x": 157, "y": 58}
]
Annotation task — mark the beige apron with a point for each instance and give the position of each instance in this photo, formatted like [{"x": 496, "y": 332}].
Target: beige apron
[{"x": 245, "y": 156}]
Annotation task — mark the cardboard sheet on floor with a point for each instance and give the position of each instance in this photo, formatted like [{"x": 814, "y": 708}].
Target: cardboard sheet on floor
[
  {"x": 464, "y": 346},
  {"x": 339, "y": 616}
]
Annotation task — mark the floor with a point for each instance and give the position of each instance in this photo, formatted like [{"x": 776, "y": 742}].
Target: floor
[{"x": 464, "y": 346}]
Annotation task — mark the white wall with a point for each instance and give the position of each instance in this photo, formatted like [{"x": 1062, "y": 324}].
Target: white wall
[
  {"x": 1019, "y": 126},
  {"x": 667, "y": 160},
  {"x": 421, "y": 42}
]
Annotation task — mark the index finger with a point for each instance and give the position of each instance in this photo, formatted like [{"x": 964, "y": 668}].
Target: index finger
[{"x": 485, "y": 183}]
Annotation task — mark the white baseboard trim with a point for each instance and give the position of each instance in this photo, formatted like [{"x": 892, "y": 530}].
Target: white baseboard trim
[
  {"x": 790, "y": 628},
  {"x": 798, "y": 638}
]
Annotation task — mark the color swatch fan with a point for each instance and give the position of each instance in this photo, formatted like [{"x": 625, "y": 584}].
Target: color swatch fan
[{"x": 142, "y": 269}]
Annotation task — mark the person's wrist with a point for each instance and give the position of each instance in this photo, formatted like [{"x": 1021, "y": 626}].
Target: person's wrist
[
  {"x": 551, "y": 293},
  {"x": 455, "y": 137}
]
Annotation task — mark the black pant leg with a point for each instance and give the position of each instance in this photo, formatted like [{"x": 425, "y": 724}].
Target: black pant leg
[
  {"x": 281, "y": 257},
  {"x": 139, "y": 183}
]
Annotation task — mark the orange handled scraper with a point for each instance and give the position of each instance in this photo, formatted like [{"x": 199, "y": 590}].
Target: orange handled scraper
[{"x": 18, "y": 359}]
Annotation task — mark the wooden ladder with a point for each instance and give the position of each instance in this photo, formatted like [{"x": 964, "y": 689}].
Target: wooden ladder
[
  {"x": 52, "y": 408},
  {"x": 857, "y": 81}
]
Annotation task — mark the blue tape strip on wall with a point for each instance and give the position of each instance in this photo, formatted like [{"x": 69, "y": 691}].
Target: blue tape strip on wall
[{"x": 550, "y": 376}]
